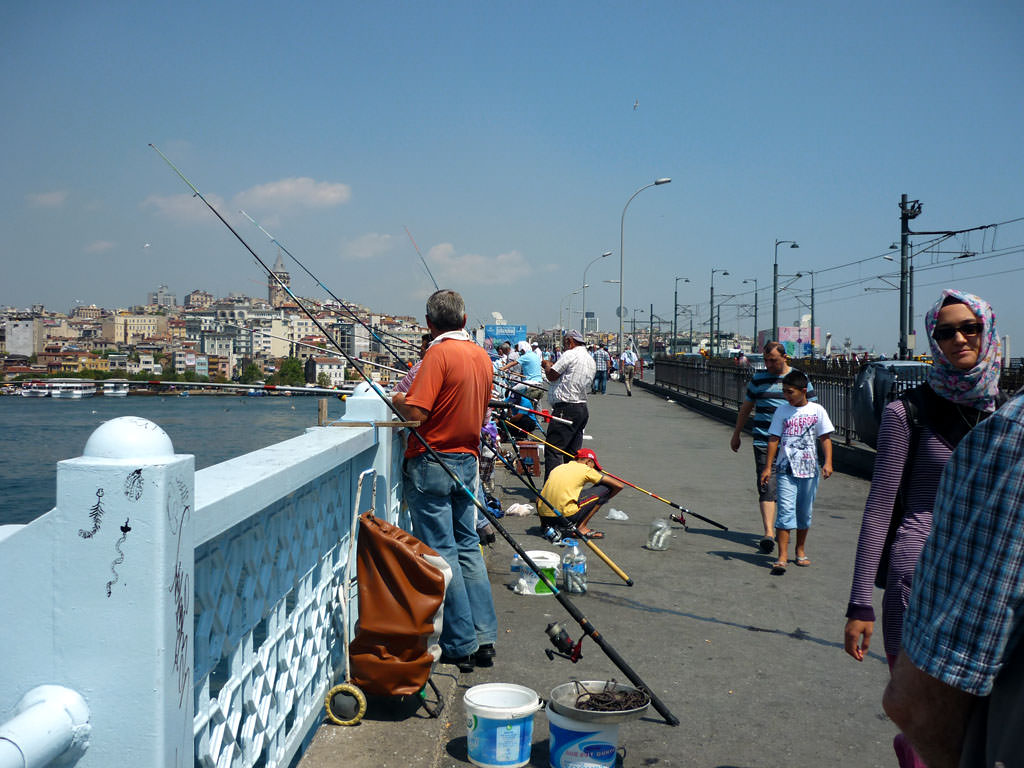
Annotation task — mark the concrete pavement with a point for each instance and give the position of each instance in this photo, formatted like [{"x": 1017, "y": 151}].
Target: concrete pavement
[{"x": 751, "y": 664}]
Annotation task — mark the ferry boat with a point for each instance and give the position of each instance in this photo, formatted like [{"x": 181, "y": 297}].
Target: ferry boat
[
  {"x": 72, "y": 389},
  {"x": 115, "y": 389},
  {"x": 35, "y": 389}
]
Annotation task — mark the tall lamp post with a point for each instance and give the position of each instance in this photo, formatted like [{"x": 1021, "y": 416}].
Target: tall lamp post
[
  {"x": 753, "y": 341},
  {"x": 775, "y": 287},
  {"x": 622, "y": 226},
  {"x": 714, "y": 346},
  {"x": 583, "y": 322},
  {"x": 675, "y": 310},
  {"x": 560, "y": 303}
]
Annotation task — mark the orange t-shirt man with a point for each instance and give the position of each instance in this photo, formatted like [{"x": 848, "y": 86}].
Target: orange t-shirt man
[{"x": 454, "y": 385}]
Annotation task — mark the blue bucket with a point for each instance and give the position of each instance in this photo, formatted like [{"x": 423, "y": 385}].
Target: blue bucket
[{"x": 499, "y": 724}]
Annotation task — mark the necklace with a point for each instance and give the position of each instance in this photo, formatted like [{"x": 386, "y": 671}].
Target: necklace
[{"x": 968, "y": 422}]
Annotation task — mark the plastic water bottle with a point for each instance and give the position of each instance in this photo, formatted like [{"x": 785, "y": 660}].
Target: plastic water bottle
[
  {"x": 574, "y": 568},
  {"x": 660, "y": 535}
]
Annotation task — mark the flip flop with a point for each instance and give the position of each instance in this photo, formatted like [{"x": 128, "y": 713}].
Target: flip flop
[
  {"x": 766, "y": 545},
  {"x": 593, "y": 535},
  {"x": 803, "y": 561},
  {"x": 778, "y": 569}
]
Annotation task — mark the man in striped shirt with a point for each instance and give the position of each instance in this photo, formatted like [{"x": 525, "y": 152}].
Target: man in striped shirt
[
  {"x": 602, "y": 361},
  {"x": 764, "y": 395}
]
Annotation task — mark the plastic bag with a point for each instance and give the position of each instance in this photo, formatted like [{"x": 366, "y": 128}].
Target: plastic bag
[
  {"x": 520, "y": 510},
  {"x": 616, "y": 514}
]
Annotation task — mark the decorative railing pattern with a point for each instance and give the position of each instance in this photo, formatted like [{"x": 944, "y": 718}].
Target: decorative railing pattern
[{"x": 202, "y": 616}]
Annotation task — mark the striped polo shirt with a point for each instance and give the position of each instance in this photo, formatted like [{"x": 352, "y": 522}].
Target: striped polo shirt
[{"x": 765, "y": 390}]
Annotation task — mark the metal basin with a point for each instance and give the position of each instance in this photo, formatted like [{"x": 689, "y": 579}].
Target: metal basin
[{"x": 564, "y": 697}]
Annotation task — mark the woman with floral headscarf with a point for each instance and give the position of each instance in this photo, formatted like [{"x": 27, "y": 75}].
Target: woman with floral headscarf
[{"x": 961, "y": 390}]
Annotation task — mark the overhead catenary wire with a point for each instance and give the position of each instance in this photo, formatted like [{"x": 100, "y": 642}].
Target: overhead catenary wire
[{"x": 564, "y": 601}]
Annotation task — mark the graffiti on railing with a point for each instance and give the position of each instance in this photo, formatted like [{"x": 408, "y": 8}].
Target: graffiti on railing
[
  {"x": 133, "y": 486},
  {"x": 120, "y": 556},
  {"x": 96, "y": 515},
  {"x": 181, "y": 589}
]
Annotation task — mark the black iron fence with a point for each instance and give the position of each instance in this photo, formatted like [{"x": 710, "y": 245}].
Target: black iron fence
[{"x": 723, "y": 383}]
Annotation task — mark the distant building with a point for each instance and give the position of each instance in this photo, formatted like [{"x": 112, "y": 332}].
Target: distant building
[
  {"x": 334, "y": 367},
  {"x": 276, "y": 294},
  {"x": 130, "y": 329},
  {"x": 162, "y": 297},
  {"x": 91, "y": 312},
  {"x": 197, "y": 299}
]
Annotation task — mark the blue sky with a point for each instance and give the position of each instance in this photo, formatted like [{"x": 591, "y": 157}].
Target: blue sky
[{"x": 504, "y": 136}]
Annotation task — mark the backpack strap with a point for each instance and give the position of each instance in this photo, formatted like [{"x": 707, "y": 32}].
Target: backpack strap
[{"x": 913, "y": 404}]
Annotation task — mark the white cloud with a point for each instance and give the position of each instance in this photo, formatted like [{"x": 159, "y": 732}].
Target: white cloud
[
  {"x": 183, "y": 207},
  {"x": 301, "y": 192},
  {"x": 368, "y": 246},
  {"x": 47, "y": 199},
  {"x": 474, "y": 269},
  {"x": 99, "y": 246}
]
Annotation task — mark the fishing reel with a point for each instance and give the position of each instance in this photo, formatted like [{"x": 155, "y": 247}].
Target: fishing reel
[{"x": 561, "y": 640}]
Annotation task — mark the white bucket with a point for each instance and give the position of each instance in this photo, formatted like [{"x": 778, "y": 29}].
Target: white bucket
[
  {"x": 528, "y": 583},
  {"x": 576, "y": 744},
  {"x": 499, "y": 724}
]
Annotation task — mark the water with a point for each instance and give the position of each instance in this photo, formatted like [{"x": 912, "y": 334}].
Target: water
[{"x": 36, "y": 433}]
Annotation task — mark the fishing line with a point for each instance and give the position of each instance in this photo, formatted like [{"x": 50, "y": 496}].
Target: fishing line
[
  {"x": 330, "y": 293},
  {"x": 566, "y": 603},
  {"x": 429, "y": 273}
]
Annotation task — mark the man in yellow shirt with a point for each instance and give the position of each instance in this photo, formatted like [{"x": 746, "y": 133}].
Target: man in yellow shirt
[{"x": 566, "y": 489}]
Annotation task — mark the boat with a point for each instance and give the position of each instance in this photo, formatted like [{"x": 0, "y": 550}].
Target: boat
[
  {"x": 115, "y": 389},
  {"x": 35, "y": 389},
  {"x": 72, "y": 389}
]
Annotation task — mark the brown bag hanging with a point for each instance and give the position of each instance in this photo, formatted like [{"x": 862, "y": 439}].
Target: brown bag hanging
[{"x": 401, "y": 594}]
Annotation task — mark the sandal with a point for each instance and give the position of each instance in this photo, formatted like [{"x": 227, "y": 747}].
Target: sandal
[
  {"x": 803, "y": 561},
  {"x": 778, "y": 569}
]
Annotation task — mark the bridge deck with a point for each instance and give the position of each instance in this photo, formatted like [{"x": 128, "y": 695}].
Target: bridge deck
[{"x": 751, "y": 664}]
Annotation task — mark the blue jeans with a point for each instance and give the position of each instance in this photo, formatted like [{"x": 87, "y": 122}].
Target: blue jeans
[
  {"x": 795, "y": 497},
  {"x": 600, "y": 382},
  {"x": 443, "y": 519}
]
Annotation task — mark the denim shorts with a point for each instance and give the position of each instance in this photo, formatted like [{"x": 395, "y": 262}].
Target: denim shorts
[
  {"x": 764, "y": 492},
  {"x": 796, "y": 499}
]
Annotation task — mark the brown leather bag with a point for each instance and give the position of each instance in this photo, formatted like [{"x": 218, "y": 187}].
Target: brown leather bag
[{"x": 401, "y": 595}]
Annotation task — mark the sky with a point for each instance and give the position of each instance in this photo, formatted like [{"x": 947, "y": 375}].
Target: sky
[{"x": 507, "y": 139}]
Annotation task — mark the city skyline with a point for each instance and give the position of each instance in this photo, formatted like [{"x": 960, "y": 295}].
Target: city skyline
[{"x": 507, "y": 139}]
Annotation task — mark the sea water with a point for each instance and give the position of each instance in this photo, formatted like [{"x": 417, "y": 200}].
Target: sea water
[{"x": 36, "y": 433}]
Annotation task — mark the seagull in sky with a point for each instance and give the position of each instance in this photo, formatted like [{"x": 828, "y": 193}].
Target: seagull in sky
[{"x": 636, "y": 104}]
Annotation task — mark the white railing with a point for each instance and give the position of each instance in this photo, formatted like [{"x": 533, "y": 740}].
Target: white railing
[{"x": 197, "y": 613}]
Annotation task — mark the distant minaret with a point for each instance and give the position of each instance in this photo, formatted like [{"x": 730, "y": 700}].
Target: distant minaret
[{"x": 276, "y": 295}]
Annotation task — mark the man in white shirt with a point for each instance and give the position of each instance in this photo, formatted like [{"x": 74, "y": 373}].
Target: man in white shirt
[
  {"x": 628, "y": 360},
  {"x": 573, "y": 375}
]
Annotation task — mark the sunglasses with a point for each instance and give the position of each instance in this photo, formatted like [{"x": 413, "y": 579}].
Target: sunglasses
[{"x": 967, "y": 330}]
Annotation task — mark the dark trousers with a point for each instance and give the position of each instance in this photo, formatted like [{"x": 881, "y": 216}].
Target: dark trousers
[{"x": 565, "y": 436}]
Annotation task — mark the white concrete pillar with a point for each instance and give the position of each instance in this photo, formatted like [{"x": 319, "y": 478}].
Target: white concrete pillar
[{"x": 103, "y": 595}]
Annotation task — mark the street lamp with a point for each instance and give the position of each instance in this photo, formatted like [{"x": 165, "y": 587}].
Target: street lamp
[
  {"x": 633, "y": 334},
  {"x": 583, "y": 323},
  {"x": 753, "y": 342},
  {"x": 675, "y": 310},
  {"x": 622, "y": 226},
  {"x": 560, "y": 303},
  {"x": 689, "y": 309},
  {"x": 712, "y": 321},
  {"x": 775, "y": 287}
]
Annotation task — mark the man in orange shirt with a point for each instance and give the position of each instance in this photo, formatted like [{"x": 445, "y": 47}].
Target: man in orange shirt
[{"x": 449, "y": 398}]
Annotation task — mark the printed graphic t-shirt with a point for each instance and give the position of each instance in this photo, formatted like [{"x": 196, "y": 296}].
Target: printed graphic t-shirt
[{"x": 799, "y": 429}]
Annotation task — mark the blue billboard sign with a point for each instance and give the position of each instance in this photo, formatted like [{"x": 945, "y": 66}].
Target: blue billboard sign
[{"x": 494, "y": 335}]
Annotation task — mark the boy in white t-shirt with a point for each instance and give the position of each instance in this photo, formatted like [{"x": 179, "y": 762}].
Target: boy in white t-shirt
[{"x": 791, "y": 445}]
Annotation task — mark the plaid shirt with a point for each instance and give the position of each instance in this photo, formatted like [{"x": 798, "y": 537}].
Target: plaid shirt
[
  {"x": 602, "y": 359},
  {"x": 966, "y": 611}
]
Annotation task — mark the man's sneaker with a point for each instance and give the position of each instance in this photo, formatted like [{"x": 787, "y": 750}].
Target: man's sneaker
[{"x": 767, "y": 544}]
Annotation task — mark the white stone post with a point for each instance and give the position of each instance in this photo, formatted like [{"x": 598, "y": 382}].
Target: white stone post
[{"x": 101, "y": 591}]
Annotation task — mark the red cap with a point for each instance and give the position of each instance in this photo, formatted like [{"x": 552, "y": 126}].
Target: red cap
[{"x": 586, "y": 453}]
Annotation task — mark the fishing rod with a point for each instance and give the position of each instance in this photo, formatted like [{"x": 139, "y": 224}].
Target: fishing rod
[
  {"x": 330, "y": 293},
  {"x": 682, "y": 510},
  {"x": 570, "y": 526},
  {"x": 565, "y": 602},
  {"x": 429, "y": 273}
]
